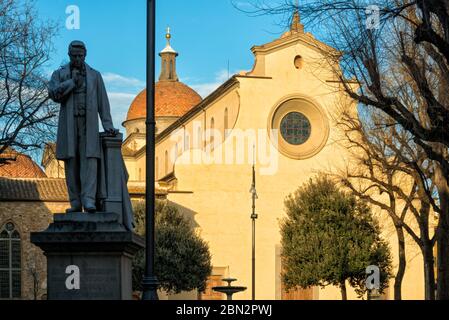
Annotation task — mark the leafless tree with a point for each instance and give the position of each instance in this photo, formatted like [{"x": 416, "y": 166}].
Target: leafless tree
[
  {"x": 27, "y": 117},
  {"x": 385, "y": 163}
]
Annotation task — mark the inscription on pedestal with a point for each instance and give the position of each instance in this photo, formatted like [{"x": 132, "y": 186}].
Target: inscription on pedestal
[{"x": 89, "y": 257}]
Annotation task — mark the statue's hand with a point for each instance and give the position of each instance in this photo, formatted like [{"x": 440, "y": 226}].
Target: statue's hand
[
  {"x": 112, "y": 132},
  {"x": 77, "y": 78}
]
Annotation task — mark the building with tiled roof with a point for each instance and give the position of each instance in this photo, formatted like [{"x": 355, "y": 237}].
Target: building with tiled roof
[
  {"x": 19, "y": 166},
  {"x": 49, "y": 190},
  {"x": 43, "y": 189},
  {"x": 27, "y": 205},
  {"x": 28, "y": 200}
]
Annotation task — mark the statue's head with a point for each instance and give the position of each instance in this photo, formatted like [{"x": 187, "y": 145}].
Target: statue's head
[{"x": 77, "y": 54}]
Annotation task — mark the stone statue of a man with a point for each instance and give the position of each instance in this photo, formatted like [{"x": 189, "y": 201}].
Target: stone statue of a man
[{"x": 81, "y": 92}]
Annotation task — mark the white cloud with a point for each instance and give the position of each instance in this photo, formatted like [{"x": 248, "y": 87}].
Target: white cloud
[
  {"x": 243, "y": 5},
  {"x": 120, "y": 103},
  {"x": 121, "y": 92},
  {"x": 204, "y": 89},
  {"x": 116, "y": 80}
]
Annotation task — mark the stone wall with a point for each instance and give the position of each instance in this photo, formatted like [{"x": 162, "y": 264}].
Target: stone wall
[{"x": 31, "y": 217}]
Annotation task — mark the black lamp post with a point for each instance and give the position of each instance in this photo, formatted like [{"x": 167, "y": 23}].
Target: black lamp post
[
  {"x": 150, "y": 282},
  {"x": 254, "y": 217}
]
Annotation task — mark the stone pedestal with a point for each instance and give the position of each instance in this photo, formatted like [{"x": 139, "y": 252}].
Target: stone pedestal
[
  {"x": 89, "y": 257},
  {"x": 112, "y": 148}
]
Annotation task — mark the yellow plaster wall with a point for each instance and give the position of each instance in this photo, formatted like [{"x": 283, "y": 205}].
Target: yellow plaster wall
[{"x": 217, "y": 194}]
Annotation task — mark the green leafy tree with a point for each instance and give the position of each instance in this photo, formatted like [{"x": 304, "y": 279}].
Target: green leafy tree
[
  {"x": 329, "y": 238},
  {"x": 182, "y": 258}
]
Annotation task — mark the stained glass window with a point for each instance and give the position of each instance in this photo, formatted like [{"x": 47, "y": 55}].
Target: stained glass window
[
  {"x": 295, "y": 128},
  {"x": 10, "y": 262}
]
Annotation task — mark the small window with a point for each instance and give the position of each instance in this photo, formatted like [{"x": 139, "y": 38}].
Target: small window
[
  {"x": 212, "y": 134},
  {"x": 226, "y": 123},
  {"x": 172, "y": 69},
  {"x": 10, "y": 262},
  {"x": 186, "y": 142},
  {"x": 298, "y": 62},
  {"x": 200, "y": 139}
]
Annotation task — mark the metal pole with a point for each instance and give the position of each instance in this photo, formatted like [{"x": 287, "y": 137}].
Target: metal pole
[
  {"x": 254, "y": 261},
  {"x": 150, "y": 282},
  {"x": 254, "y": 216}
]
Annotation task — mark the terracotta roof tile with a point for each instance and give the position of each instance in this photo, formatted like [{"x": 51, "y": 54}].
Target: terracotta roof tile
[
  {"x": 173, "y": 98},
  {"x": 22, "y": 167},
  {"x": 33, "y": 190},
  {"x": 50, "y": 190}
]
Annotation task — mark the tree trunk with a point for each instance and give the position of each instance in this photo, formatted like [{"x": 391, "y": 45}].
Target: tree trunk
[
  {"x": 443, "y": 239},
  {"x": 429, "y": 272},
  {"x": 402, "y": 264},
  {"x": 344, "y": 295},
  {"x": 427, "y": 247},
  {"x": 443, "y": 252}
]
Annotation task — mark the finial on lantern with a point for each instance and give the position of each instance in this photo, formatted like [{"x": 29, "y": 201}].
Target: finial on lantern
[{"x": 168, "y": 36}]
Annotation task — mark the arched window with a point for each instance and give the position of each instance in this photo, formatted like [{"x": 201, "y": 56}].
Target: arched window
[
  {"x": 212, "y": 134},
  {"x": 226, "y": 123},
  {"x": 166, "y": 162},
  {"x": 171, "y": 69},
  {"x": 10, "y": 262}
]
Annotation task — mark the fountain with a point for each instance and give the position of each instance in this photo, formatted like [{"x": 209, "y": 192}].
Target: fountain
[{"x": 229, "y": 290}]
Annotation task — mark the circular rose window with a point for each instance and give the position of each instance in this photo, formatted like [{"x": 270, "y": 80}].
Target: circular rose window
[
  {"x": 298, "y": 127},
  {"x": 295, "y": 128}
]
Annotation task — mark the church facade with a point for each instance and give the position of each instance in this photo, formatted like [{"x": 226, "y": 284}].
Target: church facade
[{"x": 279, "y": 116}]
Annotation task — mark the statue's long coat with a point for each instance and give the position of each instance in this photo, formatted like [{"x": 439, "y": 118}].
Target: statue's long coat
[
  {"x": 97, "y": 104},
  {"x": 60, "y": 90}
]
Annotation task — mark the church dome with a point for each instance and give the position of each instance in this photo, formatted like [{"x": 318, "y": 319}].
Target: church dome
[{"x": 172, "y": 99}]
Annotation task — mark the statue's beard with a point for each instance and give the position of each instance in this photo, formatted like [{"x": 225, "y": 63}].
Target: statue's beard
[{"x": 80, "y": 66}]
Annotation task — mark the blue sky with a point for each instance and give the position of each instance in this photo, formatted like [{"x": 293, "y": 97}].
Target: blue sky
[{"x": 206, "y": 33}]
